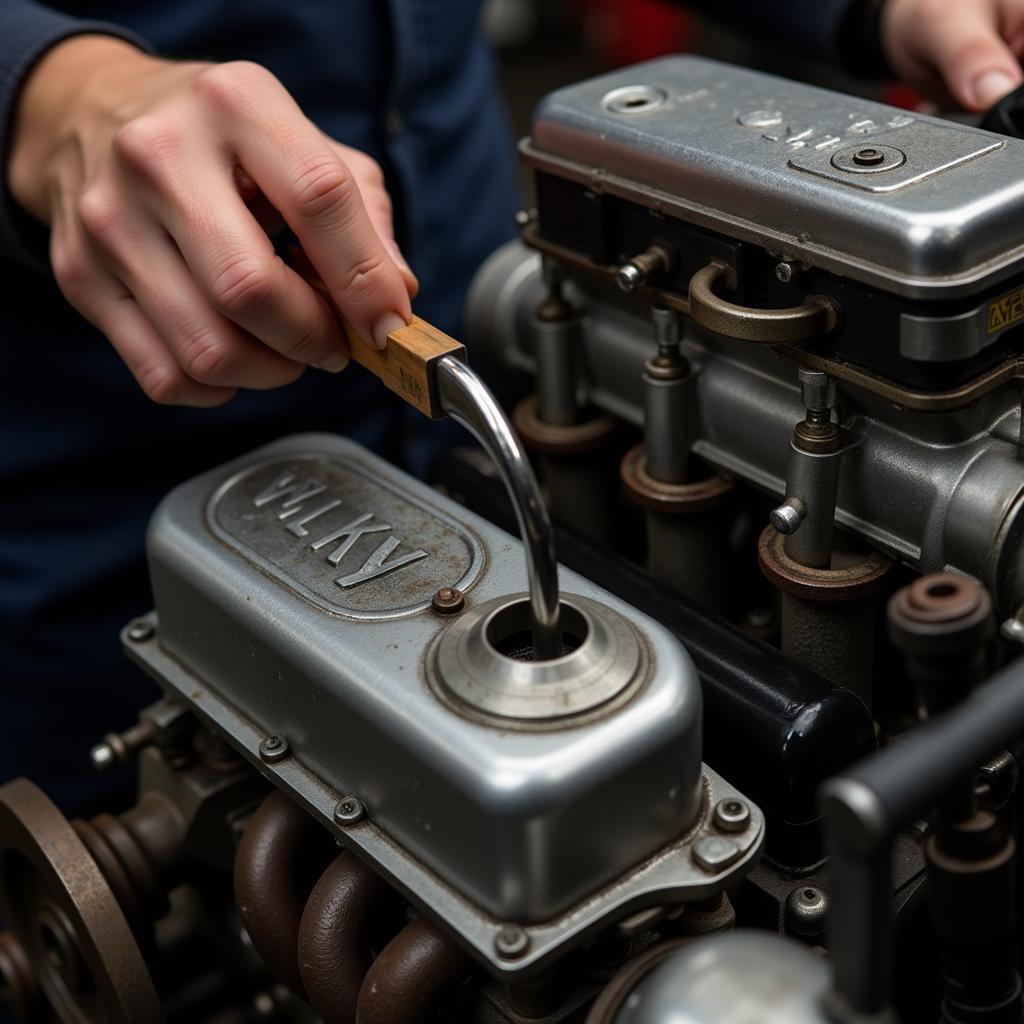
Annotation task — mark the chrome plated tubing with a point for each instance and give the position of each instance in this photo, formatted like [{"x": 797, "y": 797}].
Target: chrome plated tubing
[{"x": 468, "y": 401}]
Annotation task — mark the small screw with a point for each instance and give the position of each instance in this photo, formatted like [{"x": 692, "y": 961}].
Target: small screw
[
  {"x": 448, "y": 601},
  {"x": 524, "y": 218},
  {"x": 784, "y": 272},
  {"x": 713, "y": 853},
  {"x": 869, "y": 157},
  {"x": 349, "y": 810},
  {"x": 140, "y": 630},
  {"x": 511, "y": 942},
  {"x": 274, "y": 749},
  {"x": 731, "y": 815},
  {"x": 789, "y": 515}
]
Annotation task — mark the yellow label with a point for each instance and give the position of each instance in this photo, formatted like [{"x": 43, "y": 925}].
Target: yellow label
[{"x": 1006, "y": 312}]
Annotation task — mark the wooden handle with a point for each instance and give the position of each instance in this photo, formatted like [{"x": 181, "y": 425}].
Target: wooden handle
[{"x": 407, "y": 365}]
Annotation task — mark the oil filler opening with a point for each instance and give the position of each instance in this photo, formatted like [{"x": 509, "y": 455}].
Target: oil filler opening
[
  {"x": 508, "y": 631},
  {"x": 483, "y": 662}
]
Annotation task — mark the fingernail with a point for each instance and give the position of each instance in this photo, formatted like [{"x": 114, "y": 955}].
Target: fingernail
[
  {"x": 387, "y": 324},
  {"x": 992, "y": 86},
  {"x": 334, "y": 363}
]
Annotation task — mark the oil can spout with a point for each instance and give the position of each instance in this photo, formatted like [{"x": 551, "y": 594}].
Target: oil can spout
[{"x": 468, "y": 401}]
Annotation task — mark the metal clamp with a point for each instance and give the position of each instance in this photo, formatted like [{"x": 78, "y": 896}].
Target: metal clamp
[{"x": 817, "y": 316}]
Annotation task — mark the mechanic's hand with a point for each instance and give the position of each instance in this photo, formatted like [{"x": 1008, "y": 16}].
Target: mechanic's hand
[
  {"x": 965, "y": 50},
  {"x": 158, "y": 179}
]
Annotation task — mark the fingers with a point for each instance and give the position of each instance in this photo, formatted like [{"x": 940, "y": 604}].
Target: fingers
[
  {"x": 206, "y": 346},
  {"x": 962, "y": 41},
  {"x": 379, "y": 208},
  {"x": 243, "y": 280},
  {"x": 106, "y": 304},
  {"x": 318, "y": 194}
]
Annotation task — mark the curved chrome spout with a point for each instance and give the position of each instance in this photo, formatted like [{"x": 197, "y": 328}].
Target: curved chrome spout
[{"x": 468, "y": 401}]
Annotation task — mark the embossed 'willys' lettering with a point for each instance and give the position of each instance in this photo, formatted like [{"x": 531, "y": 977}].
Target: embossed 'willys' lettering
[{"x": 293, "y": 491}]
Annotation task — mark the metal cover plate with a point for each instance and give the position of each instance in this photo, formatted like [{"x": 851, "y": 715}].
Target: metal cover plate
[
  {"x": 730, "y": 150},
  {"x": 927, "y": 149},
  {"x": 350, "y": 544},
  {"x": 670, "y": 875}
]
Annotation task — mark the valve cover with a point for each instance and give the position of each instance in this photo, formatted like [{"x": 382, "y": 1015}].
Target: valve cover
[{"x": 296, "y": 585}]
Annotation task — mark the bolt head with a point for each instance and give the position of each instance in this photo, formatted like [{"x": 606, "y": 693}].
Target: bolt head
[
  {"x": 274, "y": 749},
  {"x": 140, "y": 630},
  {"x": 448, "y": 601},
  {"x": 714, "y": 853},
  {"x": 349, "y": 810},
  {"x": 629, "y": 277},
  {"x": 784, "y": 272},
  {"x": 732, "y": 814},
  {"x": 788, "y": 516},
  {"x": 511, "y": 942}
]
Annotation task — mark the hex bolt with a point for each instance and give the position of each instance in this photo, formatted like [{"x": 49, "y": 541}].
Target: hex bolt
[
  {"x": 448, "y": 601},
  {"x": 869, "y": 157},
  {"x": 511, "y": 942},
  {"x": 349, "y": 810},
  {"x": 714, "y": 853},
  {"x": 274, "y": 749},
  {"x": 806, "y": 911},
  {"x": 789, "y": 515},
  {"x": 731, "y": 814},
  {"x": 140, "y": 631}
]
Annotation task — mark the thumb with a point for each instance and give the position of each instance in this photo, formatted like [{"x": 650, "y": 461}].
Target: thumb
[{"x": 965, "y": 47}]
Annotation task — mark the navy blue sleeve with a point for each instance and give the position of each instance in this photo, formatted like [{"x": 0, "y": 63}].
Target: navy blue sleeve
[
  {"x": 27, "y": 31},
  {"x": 813, "y": 26}
]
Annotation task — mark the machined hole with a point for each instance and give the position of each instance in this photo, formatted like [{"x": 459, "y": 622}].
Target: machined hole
[
  {"x": 940, "y": 590},
  {"x": 509, "y": 631},
  {"x": 633, "y": 99}
]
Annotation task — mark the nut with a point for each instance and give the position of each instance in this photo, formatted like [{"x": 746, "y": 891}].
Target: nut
[{"x": 806, "y": 911}]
